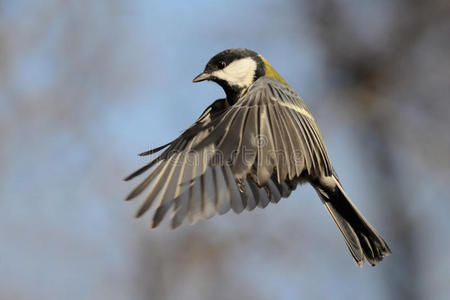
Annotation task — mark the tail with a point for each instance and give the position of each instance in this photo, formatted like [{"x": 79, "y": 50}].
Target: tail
[{"x": 361, "y": 238}]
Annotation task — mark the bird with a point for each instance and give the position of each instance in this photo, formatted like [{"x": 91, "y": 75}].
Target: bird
[{"x": 249, "y": 149}]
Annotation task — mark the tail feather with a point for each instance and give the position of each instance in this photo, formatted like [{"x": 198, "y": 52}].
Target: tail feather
[{"x": 362, "y": 239}]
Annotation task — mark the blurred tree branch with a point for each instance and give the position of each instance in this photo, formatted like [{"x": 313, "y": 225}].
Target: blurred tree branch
[{"x": 370, "y": 73}]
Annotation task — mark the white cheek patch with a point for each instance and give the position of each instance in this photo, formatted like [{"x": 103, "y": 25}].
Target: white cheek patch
[{"x": 240, "y": 72}]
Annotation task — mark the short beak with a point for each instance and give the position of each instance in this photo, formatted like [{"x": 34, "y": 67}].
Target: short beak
[{"x": 201, "y": 77}]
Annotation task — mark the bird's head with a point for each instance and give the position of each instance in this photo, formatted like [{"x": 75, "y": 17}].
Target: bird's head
[{"x": 235, "y": 70}]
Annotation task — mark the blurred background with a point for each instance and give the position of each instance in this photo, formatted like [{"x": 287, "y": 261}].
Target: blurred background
[{"x": 86, "y": 85}]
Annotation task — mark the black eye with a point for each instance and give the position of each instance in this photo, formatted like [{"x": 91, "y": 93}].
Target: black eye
[{"x": 222, "y": 65}]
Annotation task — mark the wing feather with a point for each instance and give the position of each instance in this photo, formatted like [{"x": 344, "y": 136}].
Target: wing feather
[
  {"x": 282, "y": 163},
  {"x": 223, "y": 201},
  {"x": 246, "y": 157},
  {"x": 209, "y": 194},
  {"x": 304, "y": 155}
]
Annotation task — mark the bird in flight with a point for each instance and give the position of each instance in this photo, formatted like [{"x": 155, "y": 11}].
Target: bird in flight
[{"x": 249, "y": 149}]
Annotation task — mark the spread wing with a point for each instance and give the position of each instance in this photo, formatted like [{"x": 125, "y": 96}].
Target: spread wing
[
  {"x": 243, "y": 156},
  {"x": 181, "y": 178}
]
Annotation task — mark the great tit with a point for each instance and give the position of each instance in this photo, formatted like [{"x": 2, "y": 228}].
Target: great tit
[{"x": 246, "y": 150}]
